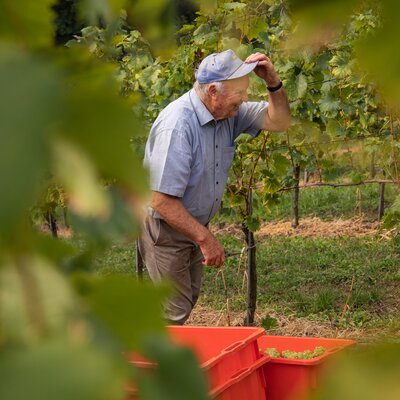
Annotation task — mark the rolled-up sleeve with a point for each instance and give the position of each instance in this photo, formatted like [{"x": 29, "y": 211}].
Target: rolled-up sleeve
[
  {"x": 168, "y": 157},
  {"x": 250, "y": 118}
]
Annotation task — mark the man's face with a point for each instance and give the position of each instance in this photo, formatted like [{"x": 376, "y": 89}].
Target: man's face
[{"x": 228, "y": 100}]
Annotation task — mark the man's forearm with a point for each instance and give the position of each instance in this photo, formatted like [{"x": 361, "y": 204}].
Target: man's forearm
[
  {"x": 277, "y": 118},
  {"x": 176, "y": 215},
  {"x": 278, "y": 112}
]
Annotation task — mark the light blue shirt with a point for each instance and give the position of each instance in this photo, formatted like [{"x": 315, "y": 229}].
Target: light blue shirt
[{"x": 189, "y": 154}]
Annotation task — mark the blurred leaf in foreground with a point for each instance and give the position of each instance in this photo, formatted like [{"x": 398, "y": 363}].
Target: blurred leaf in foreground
[
  {"x": 58, "y": 369},
  {"x": 86, "y": 196},
  {"x": 368, "y": 373},
  {"x": 36, "y": 301},
  {"x": 317, "y": 22},
  {"x": 130, "y": 309},
  {"x": 119, "y": 225},
  {"x": 27, "y": 113},
  {"x": 100, "y": 121},
  {"x": 153, "y": 20},
  {"x": 29, "y": 22},
  {"x": 177, "y": 373},
  {"x": 379, "y": 54}
]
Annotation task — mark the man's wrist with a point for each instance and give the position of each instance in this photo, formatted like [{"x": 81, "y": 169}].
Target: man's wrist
[
  {"x": 275, "y": 88},
  {"x": 202, "y": 235}
]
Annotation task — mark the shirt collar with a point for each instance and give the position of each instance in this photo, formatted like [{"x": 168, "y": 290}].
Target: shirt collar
[{"x": 203, "y": 115}]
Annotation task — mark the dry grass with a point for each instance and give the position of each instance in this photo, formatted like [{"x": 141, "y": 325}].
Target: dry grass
[
  {"x": 308, "y": 227},
  {"x": 289, "y": 326},
  {"x": 315, "y": 227},
  {"x": 312, "y": 227}
]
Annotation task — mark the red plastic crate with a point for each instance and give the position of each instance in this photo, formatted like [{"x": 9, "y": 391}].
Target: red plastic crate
[
  {"x": 292, "y": 379},
  {"x": 246, "y": 383},
  {"x": 221, "y": 351}
]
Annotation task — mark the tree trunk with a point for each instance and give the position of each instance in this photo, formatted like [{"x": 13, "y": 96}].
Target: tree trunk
[{"x": 295, "y": 197}]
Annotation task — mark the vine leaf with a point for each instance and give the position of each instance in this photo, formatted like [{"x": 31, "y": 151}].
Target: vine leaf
[
  {"x": 329, "y": 104},
  {"x": 301, "y": 85}
]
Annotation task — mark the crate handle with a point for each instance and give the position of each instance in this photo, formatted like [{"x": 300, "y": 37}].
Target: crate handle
[
  {"x": 239, "y": 373},
  {"x": 237, "y": 377},
  {"x": 233, "y": 347}
]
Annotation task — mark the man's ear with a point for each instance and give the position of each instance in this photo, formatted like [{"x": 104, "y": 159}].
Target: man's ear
[{"x": 212, "y": 90}]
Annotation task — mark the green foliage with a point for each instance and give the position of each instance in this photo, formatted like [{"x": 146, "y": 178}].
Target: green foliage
[
  {"x": 107, "y": 294},
  {"x": 67, "y": 140},
  {"x": 66, "y": 20},
  {"x": 22, "y": 121},
  {"x": 68, "y": 136},
  {"x": 63, "y": 370},
  {"x": 23, "y": 324},
  {"x": 339, "y": 117},
  {"x": 269, "y": 322},
  {"x": 392, "y": 216},
  {"x": 28, "y": 23}
]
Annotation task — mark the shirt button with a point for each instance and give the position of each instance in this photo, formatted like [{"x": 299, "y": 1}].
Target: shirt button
[
  {"x": 217, "y": 183},
  {"x": 216, "y": 146},
  {"x": 216, "y": 165},
  {"x": 216, "y": 199}
]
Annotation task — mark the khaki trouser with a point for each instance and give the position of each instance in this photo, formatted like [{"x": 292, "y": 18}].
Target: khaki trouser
[{"x": 169, "y": 255}]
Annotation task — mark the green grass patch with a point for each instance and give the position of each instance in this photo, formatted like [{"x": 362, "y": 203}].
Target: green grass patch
[
  {"x": 301, "y": 277},
  {"x": 330, "y": 203},
  {"x": 315, "y": 277},
  {"x": 119, "y": 259}
]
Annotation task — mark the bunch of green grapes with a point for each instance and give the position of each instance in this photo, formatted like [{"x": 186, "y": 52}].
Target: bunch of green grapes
[
  {"x": 272, "y": 352},
  {"x": 298, "y": 355}
]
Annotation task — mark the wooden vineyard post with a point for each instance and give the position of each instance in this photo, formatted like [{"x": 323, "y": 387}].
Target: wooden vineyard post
[
  {"x": 381, "y": 208},
  {"x": 139, "y": 262},
  {"x": 295, "y": 197},
  {"x": 251, "y": 266},
  {"x": 306, "y": 176},
  {"x": 52, "y": 222}
]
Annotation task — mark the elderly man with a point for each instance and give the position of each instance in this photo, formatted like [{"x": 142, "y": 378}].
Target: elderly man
[{"x": 189, "y": 153}]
